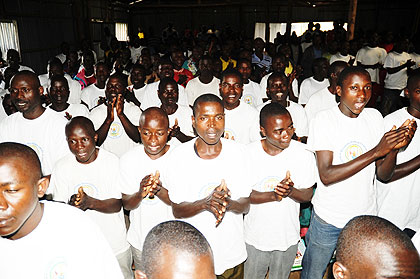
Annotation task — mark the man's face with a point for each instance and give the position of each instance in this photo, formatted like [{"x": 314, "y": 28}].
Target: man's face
[
  {"x": 354, "y": 94},
  {"x": 25, "y": 95},
  {"x": 18, "y": 197},
  {"x": 138, "y": 76},
  {"x": 277, "y": 89},
  {"x": 154, "y": 133},
  {"x": 178, "y": 58},
  {"x": 166, "y": 70},
  {"x": 146, "y": 61},
  {"x": 59, "y": 92},
  {"x": 278, "y": 65},
  {"x": 183, "y": 265},
  {"x": 82, "y": 144},
  {"x": 55, "y": 70},
  {"x": 231, "y": 89},
  {"x": 245, "y": 70},
  {"x": 321, "y": 69},
  {"x": 88, "y": 61},
  {"x": 114, "y": 87},
  {"x": 13, "y": 58},
  {"x": 102, "y": 73},
  {"x": 205, "y": 66},
  {"x": 209, "y": 122},
  {"x": 278, "y": 131},
  {"x": 169, "y": 95}
]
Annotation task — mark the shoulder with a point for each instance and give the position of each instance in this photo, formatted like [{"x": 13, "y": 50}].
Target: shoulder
[
  {"x": 372, "y": 113},
  {"x": 133, "y": 155}
]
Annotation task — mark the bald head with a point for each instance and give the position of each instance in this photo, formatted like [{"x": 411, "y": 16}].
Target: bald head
[
  {"x": 27, "y": 157},
  {"x": 82, "y": 122},
  {"x": 369, "y": 245},
  {"x": 153, "y": 113}
]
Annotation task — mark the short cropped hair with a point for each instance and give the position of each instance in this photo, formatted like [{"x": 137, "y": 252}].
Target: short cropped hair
[
  {"x": 60, "y": 78},
  {"x": 83, "y": 122},
  {"x": 363, "y": 233},
  {"x": 175, "y": 234},
  {"x": 29, "y": 74},
  {"x": 121, "y": 77},
  {"x": 351, "y": 71},
  {"x": 230, "y": 72},
  {"x": 271, "y": 109},
  {"x": 333, "y": 68},
  {"x": 204, "y": 99},
  {"x": 18, "y": 150},
  {"x": 165, "y": 81}
]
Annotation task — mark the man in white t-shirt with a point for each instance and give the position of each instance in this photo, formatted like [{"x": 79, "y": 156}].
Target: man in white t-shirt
[
  {"x": 206, "y": 82},
  {"x": 135, "y": 50},
  {"x": 138, "y": 86},
  {"x": 142, "y": 192},
  {"x": 327, "y": 97},
  {"x": 241, "y": 119},
  {"x": 251, "y": 92},
  {"x": 56, "y": 69},
  {"x": 370, "y": 247},
  {"x": 397, "y": 64},
  {"x": 315, "y": 83},
  {"x": 343, "y": 54},
  {"x": 59, "y": 96},
  {"x": 13, "y": 60},
  {"x": 398, "y": 199},
  {"x": 151, "y": 99},
  {"x": 88, "y": 180},
  {"x": 40, "y": 128},
  {"x": 52, "y": 239},
  {"x": 275, "y": 199},
  {"x": 207, "y": 181},
  {"x": 348, "y": 141},
  {"x": 114, "y": 119},
  {"x": 278, "y": 92},
  {"x": 92, "y": 94}
]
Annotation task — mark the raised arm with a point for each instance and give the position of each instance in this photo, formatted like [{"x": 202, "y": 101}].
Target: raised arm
[
  {"x": 129, "y": 128},
  {"x": 104, "y": 129}
]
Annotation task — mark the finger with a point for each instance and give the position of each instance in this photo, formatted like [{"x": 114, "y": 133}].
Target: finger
[
  {"x": 176, "y": 121},
  {"x": 288, "y": 175},
  {"x": 157, "y": 175}
]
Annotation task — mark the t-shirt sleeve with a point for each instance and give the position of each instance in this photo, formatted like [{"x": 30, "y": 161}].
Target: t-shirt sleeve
[{"x": 389, "y": 61}]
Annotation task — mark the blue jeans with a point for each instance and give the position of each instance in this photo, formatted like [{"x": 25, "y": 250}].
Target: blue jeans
[{"x": 321, "y": 240}]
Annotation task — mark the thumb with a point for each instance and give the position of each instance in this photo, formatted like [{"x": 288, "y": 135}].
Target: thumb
[
  {"x": 80, "y": 190},
  {"x": 394, "y": 128},
  {"x": 176, "y": 121},
  {"x": 287, "y": 174},
  {"x": 157, "y": 175}
]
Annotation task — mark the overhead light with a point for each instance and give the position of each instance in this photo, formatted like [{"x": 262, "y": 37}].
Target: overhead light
[
  {"x": 313, "y": 5},
  {"x": 134, "y": 2}
]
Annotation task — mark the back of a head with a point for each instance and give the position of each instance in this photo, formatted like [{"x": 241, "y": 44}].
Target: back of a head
[
  {"x": 27, "y": 156},
  {"x": 364, "y": 236},
  {"x": 178, "y": 235},
  {"x": 206, "y": 98}
]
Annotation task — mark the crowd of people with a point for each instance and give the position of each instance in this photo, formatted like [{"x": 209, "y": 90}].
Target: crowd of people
[{"x": 254, "y": 145}]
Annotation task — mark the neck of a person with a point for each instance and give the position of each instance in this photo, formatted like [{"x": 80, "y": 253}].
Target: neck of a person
[
  {"x": 59, "y": 106},
  {"x": 270, "y": 149},
  {"x": 138, "y": 85},
  {"x": 169, "y": 108},
  {"x": 207, "y": 151},
  {"x": 333, "y": 85},
  {"x": 34, "y": 113},
  {"x": 318, "y": 78},
  {"x": 100, "y": 84},
  {"x": 89, "y": 71},
  {"x": 229, "y": 106},
  {"x": 206, "y": 78},
  {"x": 414, "y": 111}
]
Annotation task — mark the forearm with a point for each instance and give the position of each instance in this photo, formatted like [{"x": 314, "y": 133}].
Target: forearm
[
  {"x": 386, "y": 166},
  {"x": 395, "y": 69},
  {"x": 302, "y": 195},
  {"x": 129, "y": 128},
  {"x": 257, "y": 197},
  {"x": 106, "y": 206},
  {"x": 407, "y": 168},
  {"x": 103, "y": 132},
  {"x": 188, "y": 209},
  {"x": 131, "y": 202},
  {"x": 240, "y": 206},
  {"x": 163, "y": 196}
]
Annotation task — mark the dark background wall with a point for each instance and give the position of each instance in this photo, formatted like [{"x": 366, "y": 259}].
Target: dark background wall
[{"x": 44, "y": 24}]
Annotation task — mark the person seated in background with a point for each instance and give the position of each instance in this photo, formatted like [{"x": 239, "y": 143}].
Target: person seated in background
[
  {"x": 13, "y": 60},
  {"x": 192, "y": 63},
  {"x": 251, "y": 92},
  {"x": 316, "y": 82},
  {"x": 181, "y": 75},
  {"x": 173, "y": 242},
  {"x": 92, "y": 94},
  {"x": 86, "y": 76},
  {"x": 138, "y": 85},
  {"x": 371, "y": 247}
]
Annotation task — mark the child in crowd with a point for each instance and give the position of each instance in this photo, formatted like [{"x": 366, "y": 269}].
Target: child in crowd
[
  {"x": 274, "y": 199},
  {"x": 316, "y": 82},
  {"x": 59, "y": 96},
  {"x": 241, "y": 118},
  {"x": 143, "y": 193},
  {"x": 52, "y": 239},
  {"x": 138, "y": 85},
  {"x": 88, "y": 180},
  {"x": 92, "y": 94}
]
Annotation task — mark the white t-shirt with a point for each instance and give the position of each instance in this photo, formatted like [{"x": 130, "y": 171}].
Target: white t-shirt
[
  {"x": 370, "y": 56},
  {"x": 74, "y": 110},
  {"x": 242, "y": 123},
  {"x": 65, "y": 244},
  {"x": 264, "y": 83},
  {"x": 251, "y": 94},
  {"x": 139, "y": 93},
  {"x": 397, "y": 80},
  {"x": 347, "y": 138},
  {"x": 117, "y": 141},
  {"x": 298, "y": 114},
  {"x": 134, "y": 166},
  {"x": 183, "y": 114},
  {"x": 416, "y": 58},
  {"x": 151, "y": 98},
  {"x": 267, "y": 221},
  {"x": 99, "y": 180},
  {"x": 416, "y": 241},
  {"x": 398, "y": 201},
  {"x": 197, "y": 181},
  {"x": 45, "y": 135},
  {"x": 339, "y": 57},
  {"x": 74, "y": 87},
  {"x": 91, "y": 94},
  {"x": 309, "y": 86},
  {"x": 135, "y": 53},
  {"x": 195, "y": 88},
  {"x": 320, "y": 100}
]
